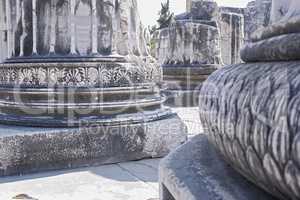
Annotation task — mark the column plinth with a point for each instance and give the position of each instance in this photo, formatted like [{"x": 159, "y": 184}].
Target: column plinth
[{"x": 75, "y": 90}]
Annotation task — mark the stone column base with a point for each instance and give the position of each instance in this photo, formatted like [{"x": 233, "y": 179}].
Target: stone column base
[{"x": 28, "y": 149}]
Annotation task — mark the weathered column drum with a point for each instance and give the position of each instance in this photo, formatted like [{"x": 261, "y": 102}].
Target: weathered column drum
[
  {"x": 251, "y": 110},
  {"x": 194, "y": 46},
  {"x": 73, "y": 63},
  {"x": 189, "y": 51},
  {"x": 62, "y": 65}
]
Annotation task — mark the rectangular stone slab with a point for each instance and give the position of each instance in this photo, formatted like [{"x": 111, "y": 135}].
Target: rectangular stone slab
[{"x": 28, "y": 149}]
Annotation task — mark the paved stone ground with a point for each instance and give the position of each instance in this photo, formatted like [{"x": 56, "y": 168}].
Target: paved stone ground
[
  {"x": 191, "y": 118},
  {"x": 125, "y": 181}
]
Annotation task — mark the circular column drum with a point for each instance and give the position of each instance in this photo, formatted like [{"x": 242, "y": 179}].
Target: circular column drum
[{"x": 71, "y": 61}]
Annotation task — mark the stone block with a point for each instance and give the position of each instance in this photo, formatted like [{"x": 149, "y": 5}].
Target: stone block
[
  {"x": 196, "y": 171},
  {"x": 29, "y": 149}
]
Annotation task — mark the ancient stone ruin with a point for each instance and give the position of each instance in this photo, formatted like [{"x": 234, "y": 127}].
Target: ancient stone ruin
[
  {"x": 256, "y": 14},
  {"x": 250, "y": 112},
  {"x": 235, "y": 26},
  {"x": 230, "y": 24},
  {"x": 231, "y": 28},
  {"x": 78, "y": 87},
  {"x": 196, "y": 44}
]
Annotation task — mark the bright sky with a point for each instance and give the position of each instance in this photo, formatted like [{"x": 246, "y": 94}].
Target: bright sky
[{"x": 149, "y": 8}]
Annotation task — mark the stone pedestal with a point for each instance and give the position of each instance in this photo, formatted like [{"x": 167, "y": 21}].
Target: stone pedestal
[{"x": 74, "y": 66}]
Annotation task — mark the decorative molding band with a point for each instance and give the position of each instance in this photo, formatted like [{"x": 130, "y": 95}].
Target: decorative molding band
[{"x": 102, "y": 75}]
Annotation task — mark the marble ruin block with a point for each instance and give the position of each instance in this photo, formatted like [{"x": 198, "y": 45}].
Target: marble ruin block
[
  {"x": 78, "y": 86},
  {"x": 188, "y": 43},
  {"x": 188, "y": 52},
  {"x": 203, "y": 38}
]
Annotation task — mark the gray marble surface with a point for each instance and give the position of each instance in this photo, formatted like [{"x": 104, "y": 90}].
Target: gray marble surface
[{"x": 196, "y": 171}]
